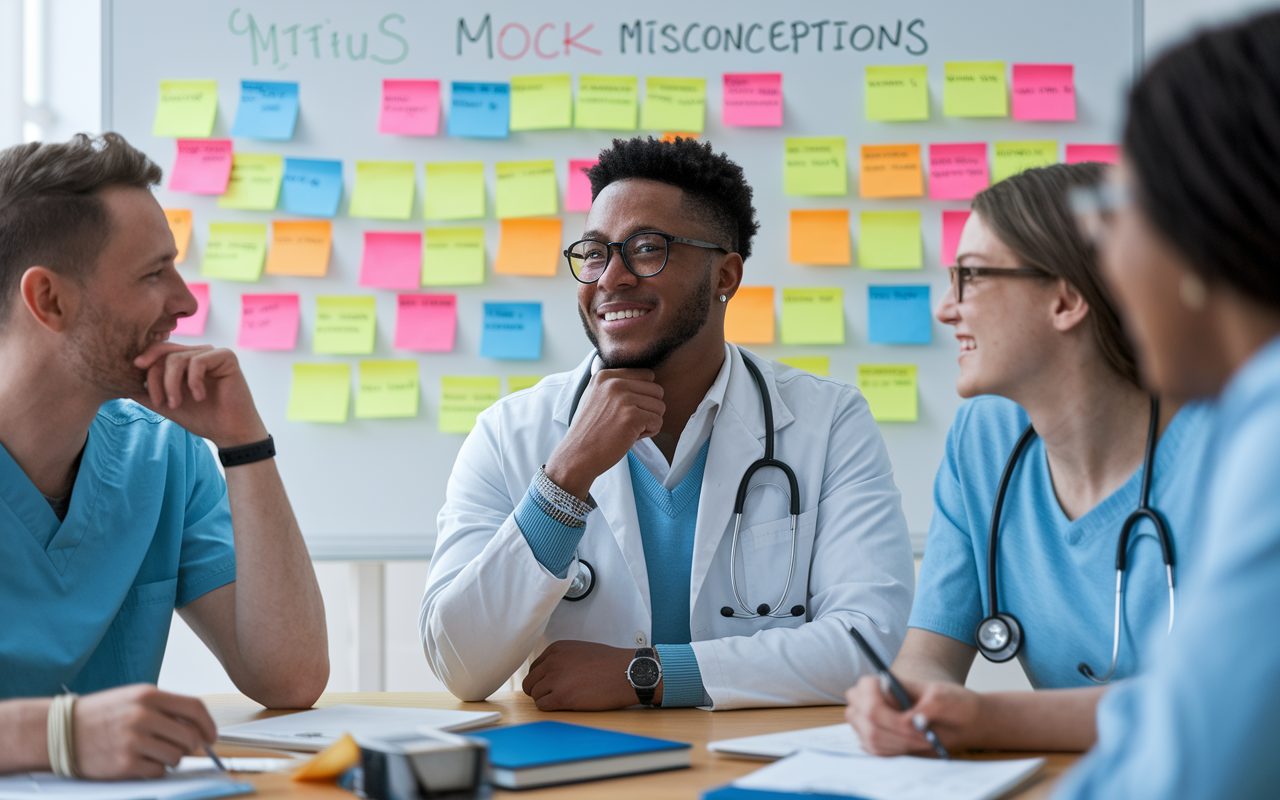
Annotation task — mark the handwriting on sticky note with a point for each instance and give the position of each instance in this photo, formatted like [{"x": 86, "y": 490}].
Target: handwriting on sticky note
[
  {"x": 387, "y": 390},
  {"x": 748, "y": 319},
  {"x": 268, "y": 110},
  {"x": 541, "y": 102},
  {"x": 391, "y": 259},
  {"x": 818, "y": 365},
  {"x": 255, "y": 182},
  {"x": 320, "y": 393},
  {"x": 202, "y": 166},
  {"x": 525, "y": 188},
  {"x": 179, "y": 220},
  {"x": 975, "y": 89},
  {"x": 897, "y": 94},
  {"x": 426, "y": 322},
  {"x": 578, "y": 197},
  {"x": 453, "y": 257},
  {"x": 236, "y": 251},
  {"x": 957, "y": 171},
  {"x": 816, "y": 166},
  {"x": 890, "y": 240},
  {"x": 952, "y": 226},
  {"x": 300, "y": 248},
  {"x": 512, "y": 330},
  {"x": 268, "y": 322},
  {"x": 462, "y": 399},
  {"x": 186, "y": 109},
  {"x": 384, "y": 190},
  {"x": 312, "y": 187},
  {"x": 480, "y": 110},
  {"x": 344, "y": 325},
  {"x": 820, "y": 236},
  {"x": 1014, "y": 157},
  {"x": 516, "y": 383},
  {"x": 891, "y": 170},
  {"x": 813, "y": 316},
  {"x": 752, "y": 99},
  {"x": 194, "y": 324},
  {"x": 890, "y": 390},
  {"x": 899, "y": 315},
  {"x": 674, "y": 104},
  {"x": 607, "y": 102},
  {"x": 410, "y": 107},
  {"x": 455, "y": 190},
  {"x": 529, "y": 246},
  {"x": 1044, "y": 91},
  {"x": 1102, "y": 153}
]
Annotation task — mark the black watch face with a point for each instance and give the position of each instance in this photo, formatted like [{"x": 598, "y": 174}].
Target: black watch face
[{"x": 644, "y": 672}]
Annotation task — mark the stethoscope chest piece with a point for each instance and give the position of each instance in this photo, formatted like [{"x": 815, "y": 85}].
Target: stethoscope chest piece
[
  {"x": 999, "y": 637},
  {"x": 583, "y": 582}
]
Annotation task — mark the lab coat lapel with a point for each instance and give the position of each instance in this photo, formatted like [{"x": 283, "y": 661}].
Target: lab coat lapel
[{"x": 615, "y": 497}]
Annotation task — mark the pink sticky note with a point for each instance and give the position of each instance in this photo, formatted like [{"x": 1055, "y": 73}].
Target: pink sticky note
[
  {"x": 203, "y": 166},
  {"x": 1106, "y": 153},
  {"x": 194, "y": 324},
  {"x": 752, "y": 99},
  {"x": 1044, "y": 91},
  {"x": 392, "y": 260},
  {"x": 268, "y": 321},
  {"x": 426, "y": 322},
  {"x": 579, "y": 198},
  {"x": 410, "y": 108},
  {"x": 952, "y": 225},
  {"x": 957, "y": 171}
]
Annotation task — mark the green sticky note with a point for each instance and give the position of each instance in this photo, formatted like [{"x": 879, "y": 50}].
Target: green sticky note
[
  {"x": 186, "y": 109},
  {"x": 674, "y": 104},
  {"x": 1014, "y": 157},
  {"x": 384, "y": 190},
  {"x": 525, "y": 189},
  {"x": 541, "y": 102},
  {"x": 344, "y": 325},
  {"x": 455, "y": 190},
  {"x": 462, "y": 400},
  {"x": 236, "y": 251},
  {"x": 255, "y": 182},
  {"x": 387, "y": 389},
  {"x": 890, "y": 390},
  {"x": 897, "y": 94},
  {"x": 890, "y": 240},
  {"x": 607, "y": 102},
  {"x": 818, "y": 365},
  {"x": 517, "y": 382},
  {"x": 974, "y": 89},
  {"x": 813, "y": 316},
  {"x": 816, "y": 166},
  {"x": 320, "y": 393},
  {"x": 453, "y": 257}
]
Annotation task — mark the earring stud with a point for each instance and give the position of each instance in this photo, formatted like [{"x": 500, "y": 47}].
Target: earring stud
[{"x": 723, "y": 299}]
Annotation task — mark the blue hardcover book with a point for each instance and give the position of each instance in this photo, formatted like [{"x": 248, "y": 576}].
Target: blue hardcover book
[{"x": 551, "y": 753}]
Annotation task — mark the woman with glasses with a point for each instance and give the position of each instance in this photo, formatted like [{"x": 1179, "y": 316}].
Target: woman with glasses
[{"x": 1057, "y": 405}]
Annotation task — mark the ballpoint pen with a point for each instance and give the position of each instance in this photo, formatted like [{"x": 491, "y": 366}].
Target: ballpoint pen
[
  {"x": 217, "y": 762},
  {"x": 899, "y": 693}
]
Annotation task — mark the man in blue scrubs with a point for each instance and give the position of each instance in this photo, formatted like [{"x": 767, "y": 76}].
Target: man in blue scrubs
[{"x": 112, "y": 510}]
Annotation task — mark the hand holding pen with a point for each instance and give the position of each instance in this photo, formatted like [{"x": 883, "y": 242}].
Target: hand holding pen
[{"x": 890, "y": 686}]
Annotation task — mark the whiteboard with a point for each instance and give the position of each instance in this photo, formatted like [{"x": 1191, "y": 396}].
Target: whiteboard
[{"x": 372, "y": 488}]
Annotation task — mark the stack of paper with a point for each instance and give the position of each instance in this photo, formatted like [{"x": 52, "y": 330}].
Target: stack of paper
[
  {"x": 771, "y": 746},
  {"x": 315, "y": 730}
]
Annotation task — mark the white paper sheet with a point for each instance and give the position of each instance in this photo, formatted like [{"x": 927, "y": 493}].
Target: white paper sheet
[
  {"x": 238, "y": 764},
  {"x": 47, "y": 786},
  {"x": 769, "y": 746},
  {"x": 315, "y": 730}
]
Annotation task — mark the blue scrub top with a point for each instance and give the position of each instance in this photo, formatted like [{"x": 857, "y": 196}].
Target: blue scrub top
[
  {"x": 87, "y": 602},
  {"x": 1057, "y": 576}
]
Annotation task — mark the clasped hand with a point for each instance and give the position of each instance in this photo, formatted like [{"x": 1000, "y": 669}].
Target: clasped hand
[{"x": 582, "y": 676}]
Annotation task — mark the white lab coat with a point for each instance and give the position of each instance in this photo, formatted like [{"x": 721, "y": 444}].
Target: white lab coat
[{"x": 489, "y": 604}]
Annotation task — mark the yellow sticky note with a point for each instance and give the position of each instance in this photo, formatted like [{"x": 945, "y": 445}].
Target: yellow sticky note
[
  {"x": 820, "y": 236},
  {"x": 816, "y": 166},
  {"x": 255, "y": 182},
  {"x": 384, "y": 190},
  {"x": 890, "y": 390},
  {"x": 516, "y": 383},
  {"x": 891, "y": 170},
  {"x": 813, "y": 316},
  {"x": 344, "y": 325},
  {"x": 455, "y": 190},
  {"x": 897, "y": 94},
  {"x": 818, "y": 365},
  {"x": 890, "y": 240},
  {"x": 387, "y": 389},
  {"x": 186, "y": 109},
  {"x": 525, "y": 188},
  {"x": 236, "y": 251},
  {"x": 180, "y": 226},
  {"x": 975, "y": 89},
  {"x": 300, "y": 247},
  {"x": 453, "y": 257},
  {"x": 320, "y": 393},
  {"x": 674, "y": 104},
  {"x": 748, "y": 319},
  {"x": 1014, "y": 157},
  {"x": 607, "y": 102},
  {"x": 529, "y": 246},
  {"x": 462, "y": 400},
  {"x": 541, "y": 102}
]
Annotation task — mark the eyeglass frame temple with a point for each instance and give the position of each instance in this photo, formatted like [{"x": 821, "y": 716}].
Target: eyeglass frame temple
[
  {"x": 669, "y": 237},
  {"x": 1021, "y": 272}
]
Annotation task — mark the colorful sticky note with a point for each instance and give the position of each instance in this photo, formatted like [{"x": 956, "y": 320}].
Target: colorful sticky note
[
  {"x": 426, "y": 322},
  {"x": 974, "y": 89},
  {"x": 820, "y": 236},
  {"x": 890, "y": 390},
  {"x": 1014, "y": 157},
  {"x": 384, "y": 190},
  {"x": 818, "y": 365},
  {"x": 453, "y": 257},
  {"x": 541, "y": 102},
  {"x": 897, "y": 94},
  {"x": 813, "y": 316},
  {"x": 202, "y": 166},
  {"x": 752, "y": 99},
  {"x": 410, "y": 107},
  {"x": 578, "y": 197},
  {"x": 255, "y": 182},
  {"x": 890, "y": 240},
  {"x": 512, "y": 330},
  {"x": 194, "y": 324},
  {"x": 516, "y": 383},
  {"x": 180, "y": 226},
  {"x": 529, "y": 246},
  {"x": 748, "y": 319},
  {"x": 268, "y": 322},
  {"x": 391, "y": 260},
  {"x": 525, "y": 188},
  {"x": 300, "y": 248},
  {"x": 268, "y": 110},
  {"x": 899, "y": 315},
  {"x": 891, "y": 170},
  {"x": 480, "y": 110},
  {"x": 607, "y": 102},
  {"x": 236, "y": 251},
  {"x": 674, "y": 104},
  {"x": 387, "y": 390},
  {"x": 957, "y": 171},
  {"x": 671, "y": 136},
  {"x": 1104, "y": 153},
  {"x": 1044, "y": 91},
  {"x": 344, "y": 325},
  {"x": 462, "y": 400},
  {"x": 320, "y": 393},
  {"x": 311, "y": 186},
  {"x": 186, "y": 109},
  {"x": 952, "y": 226},
  {"x": 816, "y": 166},
  {"x": 455, "y": 190}
]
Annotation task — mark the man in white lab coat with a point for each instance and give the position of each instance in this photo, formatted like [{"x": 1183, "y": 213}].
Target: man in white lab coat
[{"x": 606, "y": 549}]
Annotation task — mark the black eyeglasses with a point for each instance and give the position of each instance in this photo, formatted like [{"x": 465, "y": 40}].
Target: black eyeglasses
[
  {"x": 644, "y": 254},
  {"x": 960, "y": 275}
]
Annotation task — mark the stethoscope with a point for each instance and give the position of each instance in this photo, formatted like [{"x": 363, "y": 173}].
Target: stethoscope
[
  {"x": 585, "y": 579},
  {"x": 999, "y": 636}
]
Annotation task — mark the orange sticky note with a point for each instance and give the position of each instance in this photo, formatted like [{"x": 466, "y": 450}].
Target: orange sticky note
[
  {"x": 748, "y": 319},
  {"x": 671, "y": 136},
  {"x": 529, "y": 246},
  {"x": 891, "y": 170},
  {"x": 299, "y": 247},
  {"x": 820, "y": 236},
  {"x": 180, "y": 227}
]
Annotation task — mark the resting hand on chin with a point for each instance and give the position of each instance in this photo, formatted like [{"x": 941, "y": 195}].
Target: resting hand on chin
[
  {"x": 582, "y": 676},
  {"x": 203, "y": 390}
]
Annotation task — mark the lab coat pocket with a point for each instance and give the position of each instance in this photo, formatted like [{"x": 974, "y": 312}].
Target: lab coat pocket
[{"x": 765, "y": 557}]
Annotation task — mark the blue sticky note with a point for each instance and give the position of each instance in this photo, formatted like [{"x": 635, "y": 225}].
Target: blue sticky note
[
  {"x": 512, "y": 330},
  {"x": 899, "y": 315},
  {"x": 480, "y": 110},
  {"x": 311, "y": 186},
  {"x": 268, "y": 110}
]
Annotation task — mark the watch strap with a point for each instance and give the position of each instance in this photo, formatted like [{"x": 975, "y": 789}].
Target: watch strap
[
  {"x": 247, "y": 453},
  {"x": 646, "y": 694}
]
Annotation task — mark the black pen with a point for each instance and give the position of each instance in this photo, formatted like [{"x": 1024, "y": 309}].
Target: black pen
[{"x": 899, "y": 693}]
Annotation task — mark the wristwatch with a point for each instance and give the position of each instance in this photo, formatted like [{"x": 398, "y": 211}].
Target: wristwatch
[{"x": 644, "y": 674}]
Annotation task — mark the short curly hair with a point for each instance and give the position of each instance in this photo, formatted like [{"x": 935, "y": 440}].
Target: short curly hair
[{"x": 711, "y": 182}]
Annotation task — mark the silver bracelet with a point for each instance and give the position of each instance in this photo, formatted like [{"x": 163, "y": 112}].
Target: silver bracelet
[
  {"x": 564, "y": 502},
  {"x": 60, "y": 735}
]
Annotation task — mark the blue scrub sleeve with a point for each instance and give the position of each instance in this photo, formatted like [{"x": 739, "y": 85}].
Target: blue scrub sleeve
[
  {"x": 208, "y": 557},
  {"x": 553, "y": 543},
  {"x": 681, "y": 678}
]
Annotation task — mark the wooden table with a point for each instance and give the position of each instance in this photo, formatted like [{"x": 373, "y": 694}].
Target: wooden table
[{"x": 680, "y": 724}]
